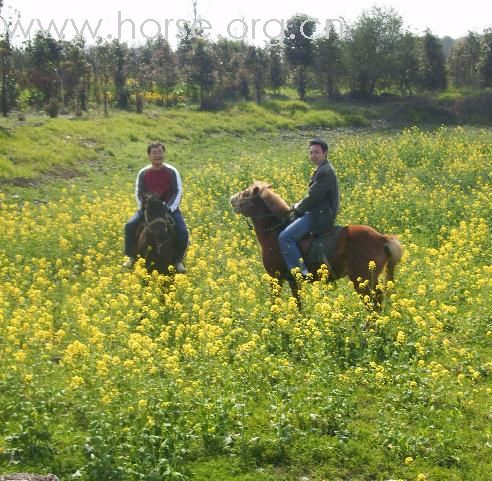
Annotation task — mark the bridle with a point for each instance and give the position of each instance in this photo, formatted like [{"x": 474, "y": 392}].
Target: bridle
[
  {"x": 168, "y": 221},
  {"x": 249, "y": 201}
]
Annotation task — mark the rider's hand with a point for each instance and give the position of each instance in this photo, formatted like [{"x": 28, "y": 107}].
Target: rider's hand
[{"x": 293, "y": 215}]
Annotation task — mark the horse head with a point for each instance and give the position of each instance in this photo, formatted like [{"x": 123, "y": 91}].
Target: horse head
[
  {"x": 259, "y": 200},
  {"x": 154, "y": 207}
]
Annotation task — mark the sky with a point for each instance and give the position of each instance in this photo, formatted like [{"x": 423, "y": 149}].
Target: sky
[{"x": 255, "y": 21}]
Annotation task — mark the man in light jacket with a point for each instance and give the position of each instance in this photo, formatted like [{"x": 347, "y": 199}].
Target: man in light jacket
[{"x": 164, "y": 180}]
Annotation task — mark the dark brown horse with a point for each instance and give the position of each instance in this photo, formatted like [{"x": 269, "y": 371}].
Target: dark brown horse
[
  {"x": 361, "y": 252},
  {"x": 157, "y": 237}
]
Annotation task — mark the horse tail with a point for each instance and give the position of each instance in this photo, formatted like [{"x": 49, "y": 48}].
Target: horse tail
[{"x": 394, "y": 252}]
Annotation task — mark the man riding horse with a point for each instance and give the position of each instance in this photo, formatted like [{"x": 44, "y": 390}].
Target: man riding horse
[
  {"x": 164, "y": 181},
  {"x": 316, "y": 212}
]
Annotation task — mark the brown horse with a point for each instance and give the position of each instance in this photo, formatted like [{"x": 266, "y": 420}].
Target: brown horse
[
  {"x": 157, "y": 236},
  {"x": 356, "y": 247}
]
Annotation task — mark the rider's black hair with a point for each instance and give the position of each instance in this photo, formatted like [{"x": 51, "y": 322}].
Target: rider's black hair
[
  {"x": 321, "y": 143},
  {"x": 153, "y": 145}
]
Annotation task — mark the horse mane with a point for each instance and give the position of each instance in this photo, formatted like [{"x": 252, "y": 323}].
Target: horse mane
[{"x": 272, "y": 200}]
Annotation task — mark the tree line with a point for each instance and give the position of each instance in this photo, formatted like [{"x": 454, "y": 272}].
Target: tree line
[{"x": 376, "y": 53}]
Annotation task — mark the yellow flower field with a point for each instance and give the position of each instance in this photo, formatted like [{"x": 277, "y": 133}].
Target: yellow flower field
[{"x": 125, "y": 375}]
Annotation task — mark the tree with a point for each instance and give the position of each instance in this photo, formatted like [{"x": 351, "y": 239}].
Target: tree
[
  {"x": 329, "y": 63},
  {"x": 465, "y": 61},
  {"x": 203, "y": 70},
  {"x": 164, "y": 67},
  {"x": 447, "y": 44},
  {"x": 75, "y": 72},
  {"x": 5, "y": 54},
  {"x": 373, "y": 49},
  {"x": 486, "y": 67},
  {"x": 433, "y": 67},
  {"x": 44, "y": 56},
  {"x": 186, "y": 50},
  {"x": 407, "y": 64},
  {"x": 256, "y": 62},
  {"x": 119, "y": 53},
  {"x": 275, "y": 66},
  {"x": 101, "y": 59},
  {"x": 139, "y": 68},
  {"x": 228, "y": 56},
  {"x": 299, "y": 47}
]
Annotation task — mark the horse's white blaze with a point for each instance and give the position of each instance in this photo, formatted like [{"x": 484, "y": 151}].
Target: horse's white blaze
[{"x": 235, "y": 203}]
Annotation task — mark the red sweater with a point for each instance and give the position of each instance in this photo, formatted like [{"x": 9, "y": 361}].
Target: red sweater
[{"x": 165, "y": 182}]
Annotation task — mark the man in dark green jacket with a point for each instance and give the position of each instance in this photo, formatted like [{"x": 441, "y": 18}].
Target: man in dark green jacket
[{"x": 317, "y": 211}]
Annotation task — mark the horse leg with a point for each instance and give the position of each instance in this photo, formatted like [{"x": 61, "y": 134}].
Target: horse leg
[
  {"x": 295, "y": 292},
  {"x": 275, "y": 289},
  {"x": 377, "y": 297},
  {"x": 366, "y": 285}
]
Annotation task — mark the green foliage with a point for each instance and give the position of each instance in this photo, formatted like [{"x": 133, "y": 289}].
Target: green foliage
[
  {"x": 26, "y": 97},
  {"x": 286, "y": 107},
  {"x": 139, "y": 103},
  {"x": 451, "y": 94},
  {"x": 376, "y": 53},
  {"x": 373, "y": 49},
  {"x": 465, "y": 61},
  {"x": 486, "y": 66},
  {"x": 299, "y": 47},
  {"x": 330, "y": 63},
  {"x": 433, "y": 65},
  {"x": 53, "y": 108}
]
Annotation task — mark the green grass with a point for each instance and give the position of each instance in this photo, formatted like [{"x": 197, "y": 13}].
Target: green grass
[
  {"x": 461, "y": 93},
  {"x": 65, "y": 146}
]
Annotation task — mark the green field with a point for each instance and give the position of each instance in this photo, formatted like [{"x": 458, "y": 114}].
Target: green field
[{"x": 115, "y": 375}]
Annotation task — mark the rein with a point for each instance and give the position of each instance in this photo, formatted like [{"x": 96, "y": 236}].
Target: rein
[
  {"x": 157, "y": 221},
  {"x": 267, "y": 229},
  {"x": 261, "y": 216},
  {"x": 168, "y": 221}
]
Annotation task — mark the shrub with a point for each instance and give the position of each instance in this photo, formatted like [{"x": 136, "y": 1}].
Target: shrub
[{"x": 53, "y": 108}]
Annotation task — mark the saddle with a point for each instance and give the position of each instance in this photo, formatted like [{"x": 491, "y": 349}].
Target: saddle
[{"x": 320, "y": 248}]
